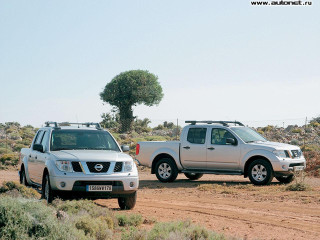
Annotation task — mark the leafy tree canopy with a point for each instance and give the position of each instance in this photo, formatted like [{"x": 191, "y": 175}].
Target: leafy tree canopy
[{"x": 131, "y": 88}]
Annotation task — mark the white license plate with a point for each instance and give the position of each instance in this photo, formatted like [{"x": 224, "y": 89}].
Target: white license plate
[
  {"x": 298, "y": 168},
  {"x": 99, "y": 188}
]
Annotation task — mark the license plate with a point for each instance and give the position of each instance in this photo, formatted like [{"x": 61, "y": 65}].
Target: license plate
[
  {"x": 298, "y": 168},
  {"x": 99, "y": 188}
]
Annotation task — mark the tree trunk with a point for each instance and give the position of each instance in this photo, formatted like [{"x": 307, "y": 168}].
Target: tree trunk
[{"x": 126, "y": 118}]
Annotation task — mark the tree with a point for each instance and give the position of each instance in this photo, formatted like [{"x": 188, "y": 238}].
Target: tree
[{"x": 129, "y": 89}]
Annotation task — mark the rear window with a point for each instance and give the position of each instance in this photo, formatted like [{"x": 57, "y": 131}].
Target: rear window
[{"x": 197, "y": 135}]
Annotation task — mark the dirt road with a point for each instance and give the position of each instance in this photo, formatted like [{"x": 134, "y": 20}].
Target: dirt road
[
  {"x": 227, "y": 204},
  {"x": 231, "y": 206}
]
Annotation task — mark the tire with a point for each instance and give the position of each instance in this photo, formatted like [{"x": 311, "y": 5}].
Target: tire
[
  {"x": 23, "y": 179},
  {"x": 47, "y": 193},
  {"x": 260, "y": 172},
  {"x": 193, "y": 176},
  {"x": 127, "y": 203},
  {"x": 166, "y": 170},
  {"x": 285, "y": 179}
]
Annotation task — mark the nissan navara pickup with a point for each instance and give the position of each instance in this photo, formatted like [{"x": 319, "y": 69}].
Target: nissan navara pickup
[
  {"x": 79, "y": 160},
  {"x": 221, "y": 147}
]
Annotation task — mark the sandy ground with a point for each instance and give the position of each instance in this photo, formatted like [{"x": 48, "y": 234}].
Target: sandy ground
[{"x": 227, "y": 204}]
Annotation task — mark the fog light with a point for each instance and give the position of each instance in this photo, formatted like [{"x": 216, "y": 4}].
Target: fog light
[
  {"x": 284, "y": 167},
  {"x": 131, "y": 184},
  {"x": 62, "y": 184}
]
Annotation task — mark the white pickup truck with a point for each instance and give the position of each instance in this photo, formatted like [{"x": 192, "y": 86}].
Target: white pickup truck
[
  {"x": 221, "y": 147},
  {"x": 80, "y": 161}
]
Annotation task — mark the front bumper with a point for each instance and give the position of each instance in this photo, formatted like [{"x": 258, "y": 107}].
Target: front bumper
[{"x": 285, "y": 167}]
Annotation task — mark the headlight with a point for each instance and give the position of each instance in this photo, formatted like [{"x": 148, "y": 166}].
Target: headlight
[
  {"x": 128, "y": 166},
  {"x": 281, "y": 153},
  {"x": 64, "y": 166}
]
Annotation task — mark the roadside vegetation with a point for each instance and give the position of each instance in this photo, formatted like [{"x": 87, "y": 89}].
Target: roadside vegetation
[
  {"x": 24, "y": 216},
  {"x": 13, "y": 137}
]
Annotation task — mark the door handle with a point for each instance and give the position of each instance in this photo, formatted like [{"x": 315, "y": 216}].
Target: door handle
[
  {"x": 187, "y": 147},
  {"x": 211, "y": 148}
]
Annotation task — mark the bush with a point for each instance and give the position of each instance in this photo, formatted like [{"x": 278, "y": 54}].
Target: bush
[
  {"x": 301, "y": 186},
  {"x": 29, "y": 219},
  {"x": 129, "y": 220},
  {"x": 10, "y": 159},
  {"x": 297, "y": 130},
  {"x": 13, "y": 187},
  {"x": 98, "y": 228},
  {"x": 181, "y": 230}
]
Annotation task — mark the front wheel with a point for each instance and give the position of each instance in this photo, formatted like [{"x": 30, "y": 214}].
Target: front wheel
[
  {"x": 193, "y": 176},
  {"x": 260, "y": 172},
  {"x": 166, "y": 170},
  {"x": 127, "y": 203},
  {"x": 47, "y": 193},
  {"x": 23, "y": 179},
  {"x": 285, "y": 179}
]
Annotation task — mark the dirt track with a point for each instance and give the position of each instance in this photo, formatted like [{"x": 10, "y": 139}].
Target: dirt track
[{"x": 232, "y": 206}]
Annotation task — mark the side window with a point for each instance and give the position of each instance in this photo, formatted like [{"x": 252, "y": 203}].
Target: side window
[
  {"x": 45, "y": 138},
  {"x": 197, "y": 135},
  {"x": 219, "y": 136},
  {"x": 39, "y": 137}
]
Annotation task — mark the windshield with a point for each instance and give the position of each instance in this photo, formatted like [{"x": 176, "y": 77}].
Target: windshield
[
  {"x": 248, "y": 135},
  {"x": 82, "y": 139}
]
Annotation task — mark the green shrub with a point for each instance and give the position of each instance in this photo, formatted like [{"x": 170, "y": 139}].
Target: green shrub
[
  {"x": 22, "y": 190},
  {"x": 129, "y": 220},
  {"x": 10, "y": 159},
  {"x": 133, "y": 233},
  {"x": 98, "y": 228},
  {"x": 181, "y": 230},
  {"x": 30, "y": 219},
  {"x": 300, "y": 186},
  {"x": 297, "y": 130}
]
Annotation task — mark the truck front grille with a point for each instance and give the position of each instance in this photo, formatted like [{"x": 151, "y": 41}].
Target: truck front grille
[
  {"x": 76, "y": 167},
  {"x": 118, "y": 167},
  {"x": 98, "y": 167}
]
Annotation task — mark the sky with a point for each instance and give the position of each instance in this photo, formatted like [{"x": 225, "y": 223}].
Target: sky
[{"x": 215, "y": 60}]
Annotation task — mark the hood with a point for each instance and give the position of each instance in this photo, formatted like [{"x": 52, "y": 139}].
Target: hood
[
  {"x": 274, "y": 146},
  {"x": 91, "y": 155}
]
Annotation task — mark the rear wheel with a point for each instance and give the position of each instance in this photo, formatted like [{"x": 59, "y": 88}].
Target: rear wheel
[
  {"x": 47, "y": 193},
  {"x": 260, "y": 172},
  {"x": 193, "y": 176},
  {"x": 127, "y": 203},
  {"x": 285, "y": 179},
  {"x": 23, "y": 179},
  {"x": 166, "y": 170}
]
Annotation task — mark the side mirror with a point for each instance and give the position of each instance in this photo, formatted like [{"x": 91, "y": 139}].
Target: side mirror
[
  {"x": 125, "y": 148},
  {"x": 231, "y": 141},
  {"x": 38, "y": 147}
]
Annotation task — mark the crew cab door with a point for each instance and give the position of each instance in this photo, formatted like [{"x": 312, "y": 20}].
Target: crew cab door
[
  {"x": 221, "y": 154},
  {"x": 33, "y": 158},
  {"x": 41, "y": 157},
  {"x": 193, "y": 152}
]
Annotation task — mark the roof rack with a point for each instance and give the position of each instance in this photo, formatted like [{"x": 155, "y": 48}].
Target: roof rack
[
  {"x": 224, "y": 123},
  {"x": 56, "y": 125},
  {"x": 87, "y": 124}
]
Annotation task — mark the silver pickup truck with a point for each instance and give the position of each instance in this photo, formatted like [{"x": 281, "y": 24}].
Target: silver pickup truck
[
  {"x": 80, "y": 161},
  {"x": 221, "y": 147}
]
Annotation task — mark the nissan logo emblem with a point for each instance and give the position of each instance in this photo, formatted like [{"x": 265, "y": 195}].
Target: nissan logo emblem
[{"x": 98, "y": 167}]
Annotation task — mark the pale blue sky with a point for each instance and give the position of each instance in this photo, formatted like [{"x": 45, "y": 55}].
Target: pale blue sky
[{"x": 214, "y": 59}]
